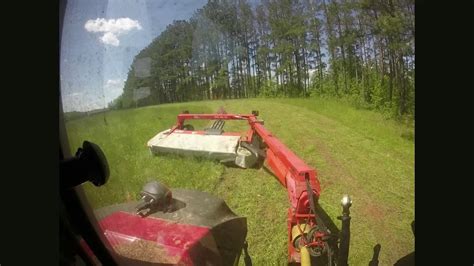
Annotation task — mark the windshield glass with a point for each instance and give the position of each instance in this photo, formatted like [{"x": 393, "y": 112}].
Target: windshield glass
[{"x": 332, "y": 79}]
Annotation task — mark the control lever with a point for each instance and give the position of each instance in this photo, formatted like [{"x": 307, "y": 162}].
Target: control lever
[{"x": 345, "y": 233}]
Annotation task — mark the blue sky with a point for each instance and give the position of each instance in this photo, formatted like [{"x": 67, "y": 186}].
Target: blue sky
[{"x": 95, "y": 59}]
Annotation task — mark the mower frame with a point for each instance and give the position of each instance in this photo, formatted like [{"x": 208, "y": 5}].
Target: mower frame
[{"x": 291, "y": 171}]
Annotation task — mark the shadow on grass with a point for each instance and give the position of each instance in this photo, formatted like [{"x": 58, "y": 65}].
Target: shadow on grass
[
  {"x": 375, "y": 257},
  {"x": 409, "y": 259},
  {"x": 247, "y": 258},
  {"x": 270, "y": 172}
]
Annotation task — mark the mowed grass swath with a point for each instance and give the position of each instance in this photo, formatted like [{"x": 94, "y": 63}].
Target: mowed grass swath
[{"x": 358, "y": 152}]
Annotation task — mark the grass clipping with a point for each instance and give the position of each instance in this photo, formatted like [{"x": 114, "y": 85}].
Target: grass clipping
[{"x": 146, "y": 251}]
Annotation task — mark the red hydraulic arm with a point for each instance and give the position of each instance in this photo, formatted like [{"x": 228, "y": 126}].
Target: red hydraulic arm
[{"x": 292, "y": 172}]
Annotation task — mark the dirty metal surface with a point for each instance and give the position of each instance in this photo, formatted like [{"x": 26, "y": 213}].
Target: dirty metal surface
[
  {"x": 201, "y": 229},
  {"x": 220, "y": 147}
]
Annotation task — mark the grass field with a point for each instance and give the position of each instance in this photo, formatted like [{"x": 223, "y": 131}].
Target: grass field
[{"x": 354, "y": 151}]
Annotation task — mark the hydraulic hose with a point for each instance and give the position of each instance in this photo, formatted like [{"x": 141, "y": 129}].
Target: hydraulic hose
[
  {"x": 309, "y": 190},
  {"x": 305, "y": 257}
]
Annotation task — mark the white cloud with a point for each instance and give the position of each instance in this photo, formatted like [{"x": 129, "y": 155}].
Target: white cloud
[
  {"x": 112, "y": 28},
  {"x": 110, "y": 38},
  {"x": 112, "y": 83}
]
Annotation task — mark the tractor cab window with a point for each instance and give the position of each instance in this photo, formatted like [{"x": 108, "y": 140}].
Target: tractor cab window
[{"x": 229, "y": 121}]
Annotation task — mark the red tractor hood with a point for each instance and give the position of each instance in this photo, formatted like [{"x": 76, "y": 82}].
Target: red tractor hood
[{"x": 203, "y": 231}]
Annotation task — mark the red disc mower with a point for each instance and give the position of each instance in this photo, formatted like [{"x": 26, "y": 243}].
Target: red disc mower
[{"x": 186, "y": 227}]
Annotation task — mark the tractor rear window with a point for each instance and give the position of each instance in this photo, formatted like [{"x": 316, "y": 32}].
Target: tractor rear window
[{"x": 209, "y": 111}]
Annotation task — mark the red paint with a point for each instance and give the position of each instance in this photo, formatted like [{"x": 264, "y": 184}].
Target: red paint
[
  {"x": 177, "y": 239},
  {"x": 202, "y": 132}
]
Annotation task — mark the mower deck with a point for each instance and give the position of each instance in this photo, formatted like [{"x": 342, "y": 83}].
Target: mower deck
[{"x": 195, "y": 143}]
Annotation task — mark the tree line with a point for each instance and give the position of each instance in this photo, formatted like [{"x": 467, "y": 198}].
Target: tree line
[{"x": 362, "y": 50}]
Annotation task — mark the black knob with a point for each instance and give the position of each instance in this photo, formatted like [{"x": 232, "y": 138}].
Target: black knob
[{"x": 89, "y": 164}]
